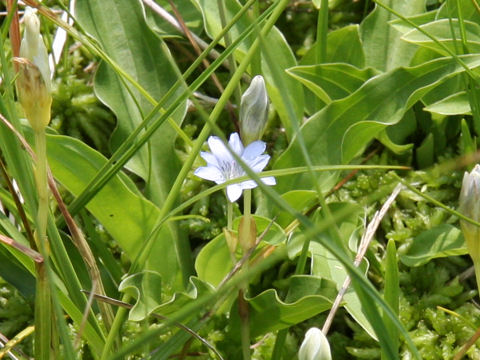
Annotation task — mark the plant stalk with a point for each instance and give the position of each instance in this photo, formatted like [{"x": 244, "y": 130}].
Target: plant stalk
[{"x": 43, "y": 300}]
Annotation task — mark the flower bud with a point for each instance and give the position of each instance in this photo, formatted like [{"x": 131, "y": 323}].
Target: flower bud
[
  {"x": 33, "y": 94},
  {"x": 315, "y": 346},
  {"x": 253, "y": 111},
  {"x": 33, "y": 82},
  {"x": 32, "y": 46},
  {"x": 470, "y": 206}
]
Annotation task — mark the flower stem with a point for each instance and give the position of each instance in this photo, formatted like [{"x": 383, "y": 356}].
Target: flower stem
[
  {"x": 229, "y": 215},
  {"x": 242, "y": 303},
  {"x": 245, "y": 324},
  {"x": 43, "y": 300},
  {"x": 477, "y": 274}
]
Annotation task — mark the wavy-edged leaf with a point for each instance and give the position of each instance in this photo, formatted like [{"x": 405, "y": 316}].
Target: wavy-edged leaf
[
  {"x": 331, "y": 81},
  {"x": 309, "y": 296},
  {"x": 146, "y": 287},
  {"x": 441, "y": 241},
  {"x": 456, "y": 104},
  {"x": 382, "y": 100},
  {"x": 441, "y": 31}
]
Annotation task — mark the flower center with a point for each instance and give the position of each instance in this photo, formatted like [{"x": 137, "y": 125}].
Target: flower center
[{"x": 231, "y": 170}]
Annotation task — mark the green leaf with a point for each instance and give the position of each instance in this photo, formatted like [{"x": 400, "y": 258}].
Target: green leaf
[
  {"x": 309, "y": 296},
  {"x": 456, "y": 104},
  {"x": 126, "y": 38},
  {"x": 380, "y": 102},
  {"x": 331, "y": 81},
  {"x": 382, "y": 45},
  {"x": 146, "y": 288},
  {"x": 392, "y": 291},
  {"x": 125, "y": 214},
  {"x": 327, "y": 266},
  {"x": 284, "y": 58},
  {"x": 441, "y": 241},
  {"x": 189, "y": 12},
  {"x": 441, "y": 30},
  {"x": 468, "y": 144},
  {"x": 343, "y": 46},
  {"x": 426, "y": 152}
]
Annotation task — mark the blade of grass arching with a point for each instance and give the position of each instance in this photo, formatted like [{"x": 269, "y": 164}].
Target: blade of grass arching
[
  {"x": 133, "y": 142},
  {"x": 186, "y": 168},
  {"x": 391, "y": 292}
]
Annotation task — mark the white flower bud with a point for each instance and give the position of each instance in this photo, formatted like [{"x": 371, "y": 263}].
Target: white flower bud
[
  {"x": 470, "y": 206},
  {"x": 315, "y": 346},
  {"x": 253, "y": 111},
  {"x": 33, "y": 82},
  {"x": 33, "y": 47}
]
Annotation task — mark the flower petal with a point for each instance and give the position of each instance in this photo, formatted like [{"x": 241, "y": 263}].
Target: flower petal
[
  {"x": 211, "y": 173},
  {"x": 248, "y": 184},
  {"x": 258, "y": 163},
  {"x": 234, "y": 191},
  {"x": 254, "y": 149},
  {"x": 209, "y": 158},
  {"x": 235, "y": 143},
  {"x": 219, "y": 149},
  {"x": 269, "y": 180}
]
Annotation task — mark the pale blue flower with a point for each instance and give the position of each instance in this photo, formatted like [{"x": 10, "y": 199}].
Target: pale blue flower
[{"x": 221, "y": 165}]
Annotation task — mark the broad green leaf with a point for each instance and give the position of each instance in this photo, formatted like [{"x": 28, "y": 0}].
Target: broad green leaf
[
  {"x": 441, "y": 31},
  {"x": 146, "y": 288},
  {"x": 284, "y": 58},
  {"x": 441, "y": 241},
  {"x": 126, "y": 215},
  {"x": 214, "y": 262},
  {"x": 330, "y": 135},
  {"x": 456, "y": 104},
  {"x": 403, "y": 26},
  {"x": 309, "y": 296},
  {"x": 126, "y": 38},
  {"x": 343, "y": 46},
  {"x": 191, "y": 16},
  {"x": 331, "y": 81},
  {"x": 382, "y": 45}
]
